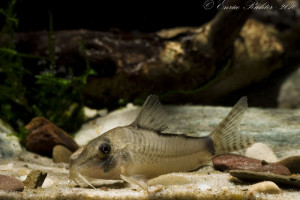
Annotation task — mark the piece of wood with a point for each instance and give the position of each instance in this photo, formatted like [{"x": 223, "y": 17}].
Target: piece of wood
[{"x": 183, "y": 64}]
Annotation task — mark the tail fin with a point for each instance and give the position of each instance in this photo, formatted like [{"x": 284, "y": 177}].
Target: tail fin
[{"x": 225, "y": 137}]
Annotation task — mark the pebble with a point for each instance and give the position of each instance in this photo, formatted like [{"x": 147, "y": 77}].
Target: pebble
[
  {"x": 9, "y": 183},
  {"x": 48, "y": 183},
  {"x": 155, "y": 189},
  {"x": 23, "y": 172},
  {"x": 61, "y": 154},
  {"x": 90, "y": 113},
  {"x": 23, "y": 178},
  {"x": 261, "y": 151},
  {"x": 204, "y": 187},
  {"x": 266, "y": 176},
  {"x": 268, "y": 187},
  {"x": 9, "y": 143},
  {"x": 44, "y": 136},
  {"x": 238, "y": 162},
  {"x": 35, "y": 179},
  {"x": 293, "y": 163}
]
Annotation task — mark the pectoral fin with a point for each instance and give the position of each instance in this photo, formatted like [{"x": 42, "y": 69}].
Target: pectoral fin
[{"x": 138, "y": 180}]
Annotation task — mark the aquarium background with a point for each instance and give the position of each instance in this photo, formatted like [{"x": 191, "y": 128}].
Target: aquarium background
[{"x": 38, "y": 77}]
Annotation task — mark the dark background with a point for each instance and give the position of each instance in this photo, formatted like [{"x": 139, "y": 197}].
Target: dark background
[{"x": 142, "y": 16}]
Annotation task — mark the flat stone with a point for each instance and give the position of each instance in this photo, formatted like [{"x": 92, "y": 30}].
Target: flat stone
[
  {"x": 61, "y": 154},
  {"x": 238, "y": 162},
  {"x": 266, "y": 176},
  {"x": 9, "y": 144},
  {"x": 261, "y": 151},
  {"x": 9, "y": 183},
  {"x": 268, "y": 187},
  {"x": 44, "y": 136},
  {"x": 293, "y": 163},
  {"x": 35, "y": 179}
]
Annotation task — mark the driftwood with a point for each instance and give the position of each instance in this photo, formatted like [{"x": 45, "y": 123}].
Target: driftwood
[{"x": 186, "y": 64}]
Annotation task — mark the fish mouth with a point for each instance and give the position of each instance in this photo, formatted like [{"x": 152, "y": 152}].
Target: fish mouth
[{"x": 75, "y": 175}]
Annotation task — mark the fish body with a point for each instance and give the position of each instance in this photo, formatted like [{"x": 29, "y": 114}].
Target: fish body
[
  {"x": 143, "y": 149},
  {"x": 151, "y": 154}
]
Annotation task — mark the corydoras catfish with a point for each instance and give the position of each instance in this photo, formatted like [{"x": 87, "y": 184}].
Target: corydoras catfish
[{"x": 142, "y": 150}]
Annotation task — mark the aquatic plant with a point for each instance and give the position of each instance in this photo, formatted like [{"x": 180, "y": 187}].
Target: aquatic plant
[{"x": 27, "y": 93}]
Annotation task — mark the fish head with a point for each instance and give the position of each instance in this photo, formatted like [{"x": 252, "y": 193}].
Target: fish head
[{"x": 100, "y": 158}]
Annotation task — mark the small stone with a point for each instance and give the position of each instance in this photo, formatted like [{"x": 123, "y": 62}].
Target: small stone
[
  {"x": 261, "y": 151},
  {"x": 204, "y": 187},
  {"x": 35, "y": 179},
  {"x": 10, "y": 183},
  {"x": 238, "y": 162},
  {"x": 61, "y": 154},
  {"x": 36, "y": 123},
  {"x": 90, "y": 113},
  {"x": 266, "y": 176},
  {"x": 43, "y": 136},
  {"x": 22, "y": 172},
  {"x": 48, "y": 183},
  {"x": 9, "y": 144},
  {"x": 268, "y": 187},
  {"x": 155, "y": 189},
  {"x": 23, "y": 178},
  {"x": 293, "y": 163}
]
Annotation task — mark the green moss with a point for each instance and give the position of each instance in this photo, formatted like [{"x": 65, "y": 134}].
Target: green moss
[{"x": 25, "y": 94}]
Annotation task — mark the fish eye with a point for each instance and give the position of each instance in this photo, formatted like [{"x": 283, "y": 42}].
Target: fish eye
[{"x": 104, "y": 148}]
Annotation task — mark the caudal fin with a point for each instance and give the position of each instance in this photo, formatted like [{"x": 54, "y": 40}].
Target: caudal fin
[{"x": 225, "y": 138}]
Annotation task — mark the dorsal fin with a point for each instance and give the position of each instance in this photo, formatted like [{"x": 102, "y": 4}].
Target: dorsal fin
[{"x": 151, "y": 116}]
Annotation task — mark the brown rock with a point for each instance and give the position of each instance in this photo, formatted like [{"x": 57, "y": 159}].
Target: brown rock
[
  {"x": 266, "y": 176},
  {"x": 37, "y": 122},
  {"x": 61, "y": 154},
  {"x": 293, "y": 163},
  {"x": 238, "y": 162},
  {"x": 35, "y": 179},
  {"x": 10, "y": 183},
  {"x": 44, "y": 135}
]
